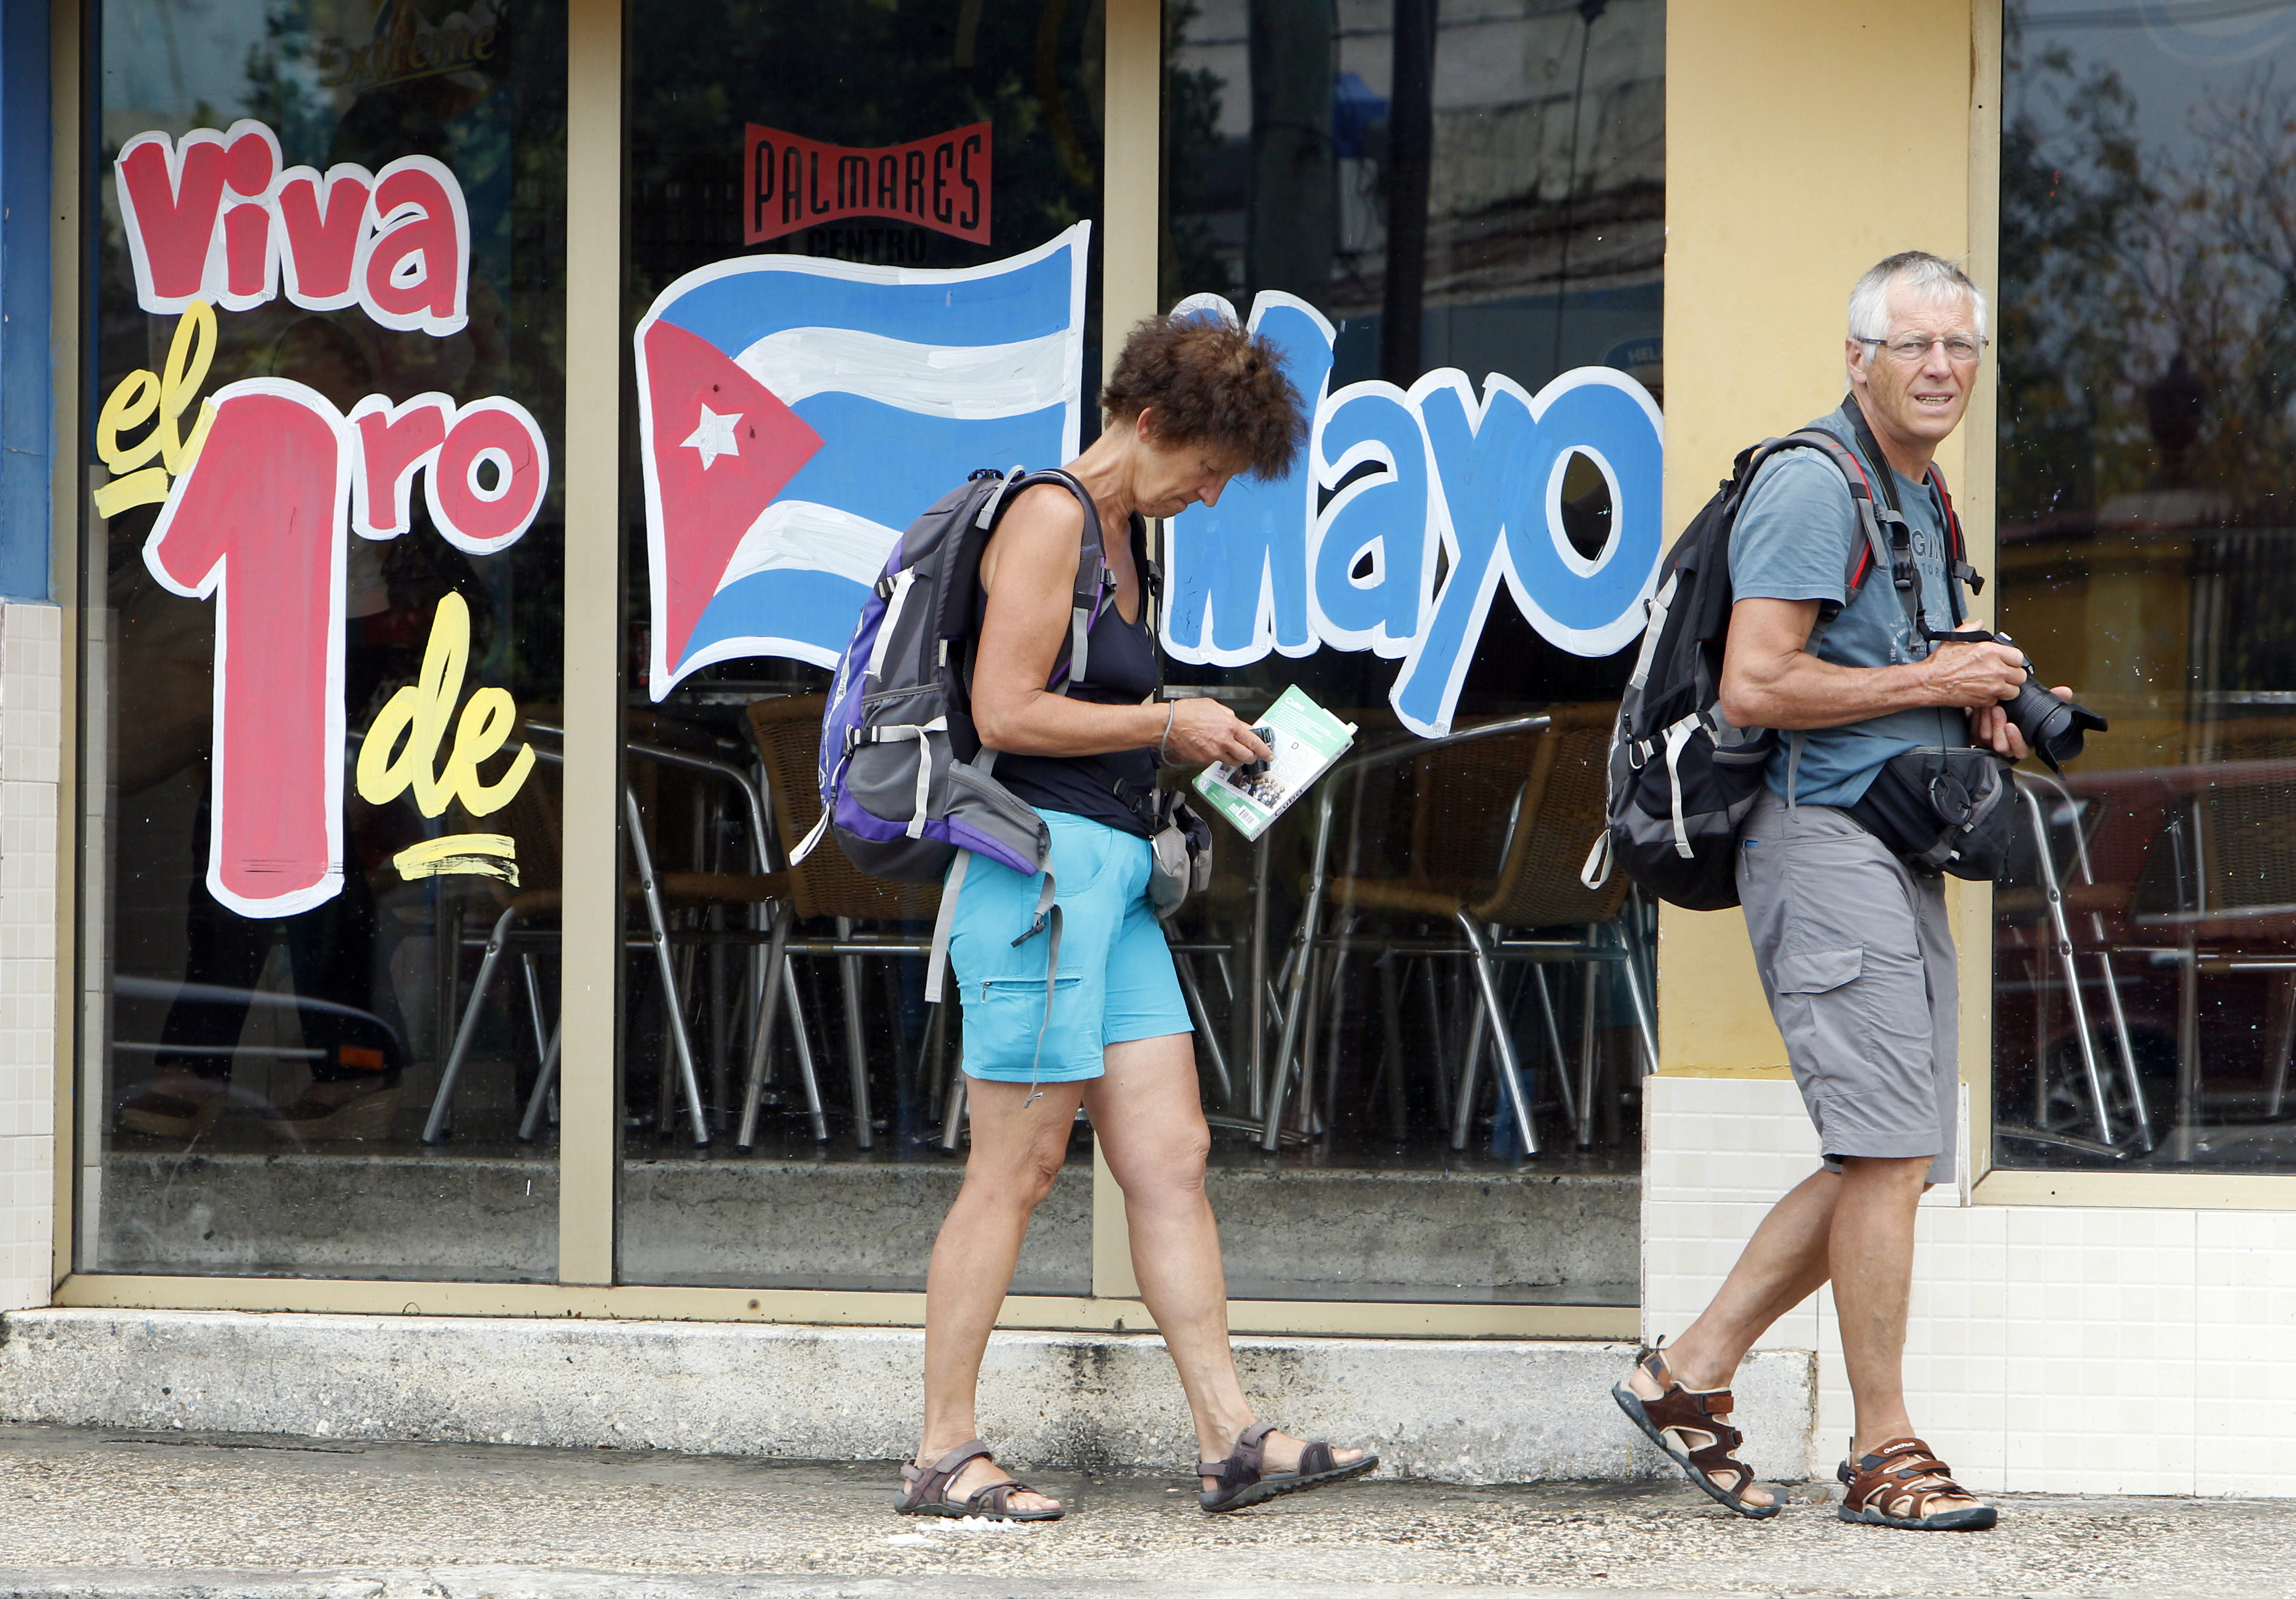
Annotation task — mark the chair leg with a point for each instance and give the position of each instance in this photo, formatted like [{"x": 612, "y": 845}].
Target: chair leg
[
  {"x": 2126, "y": 1050},
  {"x": 934, "y": 1054},
  {"x": 850, "y": 969},
  {"x": 533, "y": 1003},
  {"x": 1205, "y": 1032},
  {"x": 952, "y": 1120},
  {"x": 1587, "y": 1013},
  {"x": 1570, "y": 1093},
  {"x": 658, "y": 926},
  {"x": 541, "y": 1094},
  {"x": 769, "y": 1004},
  {"x": 1645, "y": 1022},
  {"x": 1470, "y": 1072},
  {"x": 453, "y": 1069},
  {"x": 1510, "y": 1069},
  {"x": 1443, "y": 1084},
  {"x": 1391, "y": 996},
  {"x": 802, "y": 1036},
  {"x": 2282, "y": 1039}
]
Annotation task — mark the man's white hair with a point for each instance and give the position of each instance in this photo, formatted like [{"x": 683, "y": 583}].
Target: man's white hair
[{"x": 1933, "y": 277}]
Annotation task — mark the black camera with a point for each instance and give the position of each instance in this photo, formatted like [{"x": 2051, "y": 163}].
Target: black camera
[{"x": 2053, "y": 729}]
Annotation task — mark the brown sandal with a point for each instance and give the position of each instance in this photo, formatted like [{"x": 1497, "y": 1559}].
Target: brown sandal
[
  {"x": 1677, "y": 1419},
  {"x": 928, "y": 1490},
  {"x": 1243, "y": 1479},
  {"x": 1897, "y": 1483}
]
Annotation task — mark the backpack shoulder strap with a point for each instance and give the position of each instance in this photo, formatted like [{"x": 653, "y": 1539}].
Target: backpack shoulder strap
[
  {"x": 1095, "y": 585},
  {"x": 1871, "y": 547}
]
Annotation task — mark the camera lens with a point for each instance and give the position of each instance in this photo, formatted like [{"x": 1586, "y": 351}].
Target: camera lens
[{"x": 2053, "y": 729}]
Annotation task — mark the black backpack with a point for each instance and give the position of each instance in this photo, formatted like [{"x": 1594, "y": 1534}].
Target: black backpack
[{"x": 1682, "y": 778}]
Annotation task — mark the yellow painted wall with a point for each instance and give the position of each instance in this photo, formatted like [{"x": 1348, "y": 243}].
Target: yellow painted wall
[{"x": 1806, "y": 139}]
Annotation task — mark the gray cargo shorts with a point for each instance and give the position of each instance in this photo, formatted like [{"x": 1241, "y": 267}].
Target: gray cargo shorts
[{"x": 1857, "y": 962}]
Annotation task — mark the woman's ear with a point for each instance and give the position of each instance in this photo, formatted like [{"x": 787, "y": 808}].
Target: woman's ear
[{"x": 1144, "y": 425}]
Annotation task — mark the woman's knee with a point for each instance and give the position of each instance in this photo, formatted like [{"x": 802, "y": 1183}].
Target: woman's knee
[
  {"x": 1022, "y": 1178},
  {"x": 1173, "y": 1166}
]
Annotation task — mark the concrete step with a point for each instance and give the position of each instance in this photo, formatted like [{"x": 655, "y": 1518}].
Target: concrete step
[
  {"x": 1561, "y": 1232},
  {"x": 1457, "y": 1410}
]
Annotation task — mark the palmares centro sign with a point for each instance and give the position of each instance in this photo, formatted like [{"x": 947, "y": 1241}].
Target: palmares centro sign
[{"x": 1343, "y": 551}]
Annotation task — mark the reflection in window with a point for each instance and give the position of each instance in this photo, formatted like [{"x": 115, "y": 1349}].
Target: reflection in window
[
  {"x": 1479, "y": 189},
  {"x": 2147, "y": 342},
  {"x": 287, "y": 910},
  {"x": 793, "y": 1114}
]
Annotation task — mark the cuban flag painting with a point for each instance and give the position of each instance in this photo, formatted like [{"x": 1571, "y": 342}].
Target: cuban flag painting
[{"x": 796, "y": 414}]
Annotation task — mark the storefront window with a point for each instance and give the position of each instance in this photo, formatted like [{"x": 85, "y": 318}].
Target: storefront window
[
  {"x": 2145, "y": 953},
  {"x": 1453, "y": 220},
  {"x": 323, "y": 580},
  {"x": 836, "y": 208},
  {"x": 833, "y": 208}
]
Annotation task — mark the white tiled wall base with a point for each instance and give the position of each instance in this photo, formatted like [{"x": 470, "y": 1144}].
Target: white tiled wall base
[
  {"x": 31, "y": 746},
  {"x": 2050, "y": 1349}
]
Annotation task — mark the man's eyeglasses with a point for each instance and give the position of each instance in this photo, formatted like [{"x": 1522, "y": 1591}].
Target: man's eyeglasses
[{"x": 1909, "y": 352}]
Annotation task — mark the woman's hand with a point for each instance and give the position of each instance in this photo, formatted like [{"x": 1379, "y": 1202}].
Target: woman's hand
[{"x": 1204, "y": 730}]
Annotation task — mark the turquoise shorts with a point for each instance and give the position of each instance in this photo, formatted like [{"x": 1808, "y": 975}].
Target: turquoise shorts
[{"x": 1116, "y": 982}]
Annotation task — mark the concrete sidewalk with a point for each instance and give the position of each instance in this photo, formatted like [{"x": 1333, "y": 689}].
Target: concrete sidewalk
[{"x": 107, "y": 1515}]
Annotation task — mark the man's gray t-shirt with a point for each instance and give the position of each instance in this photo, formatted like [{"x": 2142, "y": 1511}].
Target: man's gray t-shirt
[{"x": 1792, "y": 541}]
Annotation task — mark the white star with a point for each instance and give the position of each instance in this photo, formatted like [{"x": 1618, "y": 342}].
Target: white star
[{"x": 714, "y": 438}]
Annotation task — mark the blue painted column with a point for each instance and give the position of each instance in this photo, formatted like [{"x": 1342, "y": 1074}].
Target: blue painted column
[{"x": 27, "y": 410}]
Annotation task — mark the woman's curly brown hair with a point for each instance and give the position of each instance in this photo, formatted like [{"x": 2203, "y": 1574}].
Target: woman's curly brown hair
[{"x": 1209, "y": 381}]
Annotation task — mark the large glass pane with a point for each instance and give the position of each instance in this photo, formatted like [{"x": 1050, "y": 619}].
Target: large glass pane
[
  {"x": 2148, "y": 362},
  {"x": 326, "y": 332},
  {"x": 835, "y": 206},
  {"x": 1453, "y": 219}
]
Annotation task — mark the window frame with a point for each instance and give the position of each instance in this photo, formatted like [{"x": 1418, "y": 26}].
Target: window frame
[{"x": 589, "y": 1147}]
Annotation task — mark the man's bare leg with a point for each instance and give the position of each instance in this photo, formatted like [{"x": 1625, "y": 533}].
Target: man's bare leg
[
  {"x": 1872, "y": 1243},
  {"x": 1780, "y": 1266}
]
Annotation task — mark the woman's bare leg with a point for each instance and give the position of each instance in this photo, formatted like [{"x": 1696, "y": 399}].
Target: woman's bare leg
[
  {"x": 1150, "y": 1119},
  {"x": 1017, "y": 1150}
]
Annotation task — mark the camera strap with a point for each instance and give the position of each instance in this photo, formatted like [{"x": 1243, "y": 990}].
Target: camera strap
[{"x": 1895, "y": 550}]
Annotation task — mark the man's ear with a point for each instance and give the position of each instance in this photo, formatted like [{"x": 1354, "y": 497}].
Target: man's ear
[{"x": 1853, "y": 358}]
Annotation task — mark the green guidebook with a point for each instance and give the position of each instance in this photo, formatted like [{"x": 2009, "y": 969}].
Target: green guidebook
[{"x": 1306, "y": 740}]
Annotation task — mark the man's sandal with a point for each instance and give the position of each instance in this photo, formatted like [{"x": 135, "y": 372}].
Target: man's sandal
[
  {"x": 1895, "y": 1485},
  {"x": 1245, "y": 1480},
  {"x": 1694, "y": 1431},
  {"x": 928, "y": 1490}
]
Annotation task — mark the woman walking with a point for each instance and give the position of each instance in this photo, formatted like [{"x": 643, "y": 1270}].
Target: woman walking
[{"x": 1193, "y": 402}]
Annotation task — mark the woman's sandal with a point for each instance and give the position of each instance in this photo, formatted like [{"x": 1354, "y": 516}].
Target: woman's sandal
[
  {"x": 1678, "y": 1419},
  {"x": 1243, "y": 1480},
  {"x": 927, "y": 1491},
  {"x": 1896, "y": 1484}
]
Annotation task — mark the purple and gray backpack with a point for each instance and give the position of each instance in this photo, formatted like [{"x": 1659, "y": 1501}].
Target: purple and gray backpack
[{"x": 904, "y": 784}]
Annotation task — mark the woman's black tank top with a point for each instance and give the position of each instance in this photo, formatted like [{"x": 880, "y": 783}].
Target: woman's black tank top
[{"x": 1121, "y": 669}]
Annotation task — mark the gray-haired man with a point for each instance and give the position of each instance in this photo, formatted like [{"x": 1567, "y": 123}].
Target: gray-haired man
[{"x": 1851, "y": 942}]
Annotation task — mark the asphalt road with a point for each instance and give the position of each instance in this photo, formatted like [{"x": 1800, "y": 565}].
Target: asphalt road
[{"x": 100, "y": 1515}]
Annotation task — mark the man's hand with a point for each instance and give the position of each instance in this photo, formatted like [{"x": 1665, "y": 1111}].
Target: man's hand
[
  {"x": 1990, "y": 725},
  {"x": 1975, "y": 675}
]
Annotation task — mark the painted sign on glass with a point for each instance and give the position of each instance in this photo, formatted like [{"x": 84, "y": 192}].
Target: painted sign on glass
[
  {"x": 941, "y": 182},
  {"x": 261, "y": 492},
  {"x": 1344, "y": 550},
  {"x": 796, "y": 414}
]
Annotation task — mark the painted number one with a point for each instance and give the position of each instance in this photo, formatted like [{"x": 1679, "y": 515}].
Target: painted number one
[{"x": 259, "y": 523}]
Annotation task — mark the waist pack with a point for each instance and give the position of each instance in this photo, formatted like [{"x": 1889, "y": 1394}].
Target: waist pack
[
  {"x": 1946, "y": 810},
  {"x": 1180, "y": 847}
]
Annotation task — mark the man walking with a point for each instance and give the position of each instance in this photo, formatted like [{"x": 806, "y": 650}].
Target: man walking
[{"x": 1851, "y": 942}]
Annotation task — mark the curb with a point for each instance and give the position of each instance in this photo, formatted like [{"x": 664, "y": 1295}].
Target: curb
[{"x": 525, "y": 1582}]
